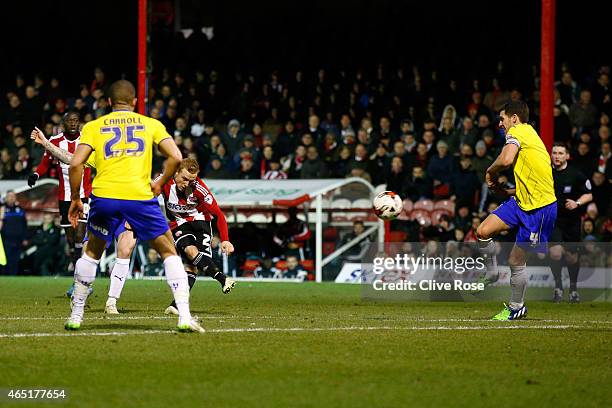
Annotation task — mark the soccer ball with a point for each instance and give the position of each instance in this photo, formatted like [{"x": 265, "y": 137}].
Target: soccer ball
[{"x": 387, "y": 205}]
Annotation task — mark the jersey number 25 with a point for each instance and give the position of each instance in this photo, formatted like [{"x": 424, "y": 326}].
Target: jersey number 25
[{"x": 110, "y": 147}]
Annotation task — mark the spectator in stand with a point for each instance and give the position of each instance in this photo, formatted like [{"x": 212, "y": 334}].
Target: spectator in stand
[
  {"x": 247, "y": 169},
  {"x": 419, "y": 185},
  {"x": 568, "y": 89},
  {"x": 217, "y": 171},
  {"x": 295, "y": 162},
  {"x": 604, "y": 163},
  {"x": 481, "y": 161},
  {"x": 233, "y": 138},
  {"x": 464, "y": 184},
  {"x": 601, "y": 92},
  {"x": 154, "y": 266},
  {"x": 440, "y": 169},
  {"x": 294, "y": 269},
  {"x": 274, "y": 172},
  {"x": 448, "y": 134},
  {"x": 467, "y": 134},
  {"x": 14, "y": 230},
  {"x": 47, "y": 241},
  {"x": 588, "y": 230},
  {"x": 331, "y": 149},
  {"x": 6, "y": 164},
  {"x": 315, "y": 129},
  {"x": 602, "y": 193},
  {"x": 287, "y": 140},
  {"x": 345, "y": 127},
  {"x": 313, "y": 167},
  {"x": 583, "y": 114},
  {"x": 340, "y": 168},
  {"x": 357, "y": 252},
  {"x": 463, "y": 218},
  {"x": 396, "y": 177},
  {"x": 378, "y": 165},
  {"x": 429, "y": 139},
  {"x": 471, "y": 236},
  {"x": 584, "y": 160}
]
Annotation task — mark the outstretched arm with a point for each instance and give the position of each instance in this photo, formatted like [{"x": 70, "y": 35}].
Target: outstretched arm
[
  {"x": 168, "y": 148},
  {"x": 60, "y": 154},
  {"x": 79, "y": 159}
]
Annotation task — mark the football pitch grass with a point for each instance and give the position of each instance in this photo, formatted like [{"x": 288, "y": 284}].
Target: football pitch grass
[{"x": 300, "y": 345}]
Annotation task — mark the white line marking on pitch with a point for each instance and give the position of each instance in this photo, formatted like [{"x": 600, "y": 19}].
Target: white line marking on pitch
[
  {"x": 288, "y": 329},
  {"x": 416, "y": 320}
]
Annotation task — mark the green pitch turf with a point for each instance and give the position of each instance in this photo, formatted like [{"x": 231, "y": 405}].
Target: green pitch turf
[{"x": 300, "y": 345}]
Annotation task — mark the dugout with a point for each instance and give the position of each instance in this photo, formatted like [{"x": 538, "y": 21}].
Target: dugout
[{"x": 323, "y": 202}]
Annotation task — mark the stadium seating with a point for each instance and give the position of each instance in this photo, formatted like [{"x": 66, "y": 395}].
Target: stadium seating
[
  {"x": 447, "y": 205},
  {"x": 259, "y": 218},
  {"x": 436, "y": 214},
  {"x": 357, "y": 216},
  {"x": 424, "y": 204},
  {"x": 421, "y": 216},
  {"x": 341, "y": 203},
  {"x": 281, "y": 218},
  {"x": 362, "y": 203},
  {"x": 408, "y": 205}
]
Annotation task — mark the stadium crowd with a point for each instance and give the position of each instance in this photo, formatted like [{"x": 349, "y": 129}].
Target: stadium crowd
[{"x": 422, "y": 136}]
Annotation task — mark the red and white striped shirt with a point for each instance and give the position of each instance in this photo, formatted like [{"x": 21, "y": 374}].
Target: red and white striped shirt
[
  {"x": 193, "y": 204},
  {"x": 63, "y": 193}
]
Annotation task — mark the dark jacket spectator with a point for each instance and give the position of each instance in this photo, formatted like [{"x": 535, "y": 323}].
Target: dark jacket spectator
[
  {"x": 465, "y": 183},
  {"x": 14, "y": 230},
  {"x": 396, "y": 177},
  {"x": 583, "y": 114},
  {"x": 440, "y": 167},
  {"x": 47, "y": 241},
  {"x": 481, "y": 161},
  {"x": 313, "y": 167},
  {"x": 602, "y": 193},
  {"x": 233, "y": 138},
  {"x": 419, "y": 185}
]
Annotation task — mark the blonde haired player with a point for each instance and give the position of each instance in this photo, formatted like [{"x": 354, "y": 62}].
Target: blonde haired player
[
  {"x": 190, "y": 208},
  {"x": 532, "y": 207},
  {"x": 122, "y": 189}
]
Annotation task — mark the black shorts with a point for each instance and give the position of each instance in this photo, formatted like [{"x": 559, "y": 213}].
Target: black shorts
[
  {"x": 64, "y": 206},
  {"x": 566, "y": 233},
  {"x": 197, "y": 233}
]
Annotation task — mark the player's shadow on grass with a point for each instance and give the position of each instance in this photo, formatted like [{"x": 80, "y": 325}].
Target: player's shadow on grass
[
  {"x": 142, "y": 312},
  {"x": 212, "y": 313},
  {"x": 122, "y": 326}
]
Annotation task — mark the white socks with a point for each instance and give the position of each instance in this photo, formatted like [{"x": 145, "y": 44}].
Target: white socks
[
  {"x": 84, "y": 275},
  {"x": 177, "y": 280},
  {"x": 487, "y": 247},
  {"x": 518, "y": 282},
  {"x": 117, "y": 278}
]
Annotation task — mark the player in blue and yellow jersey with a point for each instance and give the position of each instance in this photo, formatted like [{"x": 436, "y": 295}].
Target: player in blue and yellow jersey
[
  {"x": 122, "y": 190},
  {"x": 531, "y": 207}
]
